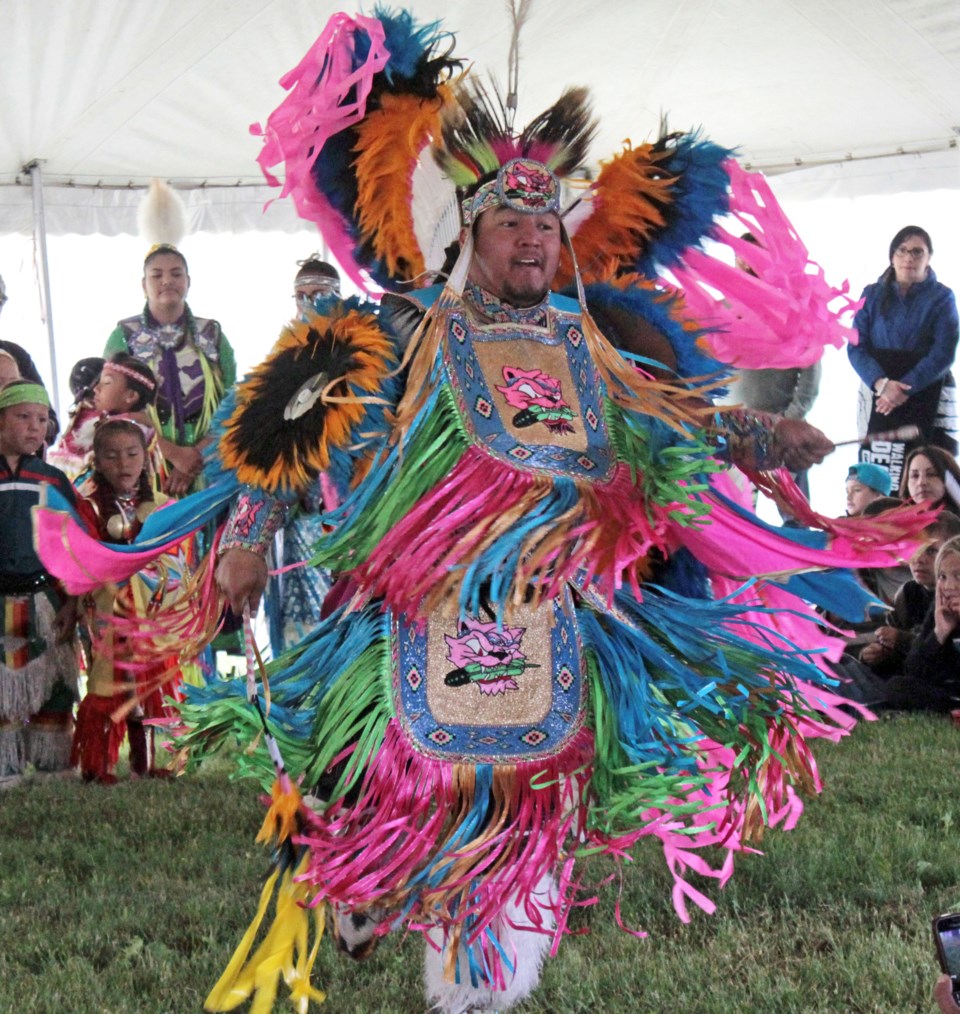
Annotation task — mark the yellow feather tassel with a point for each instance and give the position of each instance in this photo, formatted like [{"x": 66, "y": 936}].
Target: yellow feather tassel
[{"x": 283, "y": 952}]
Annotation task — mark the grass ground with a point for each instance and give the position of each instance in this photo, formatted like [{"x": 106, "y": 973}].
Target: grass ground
[{"x": 129, "y": 900}]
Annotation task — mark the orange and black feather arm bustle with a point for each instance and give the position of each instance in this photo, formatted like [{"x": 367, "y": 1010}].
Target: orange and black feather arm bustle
[{"x": 348, "y": 359}]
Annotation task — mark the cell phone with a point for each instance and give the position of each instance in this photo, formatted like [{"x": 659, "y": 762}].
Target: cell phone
[{"x": 946, "y": 938}]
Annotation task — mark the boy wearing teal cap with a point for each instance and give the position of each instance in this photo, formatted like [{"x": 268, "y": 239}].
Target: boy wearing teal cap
[{"x": 866, "y": 482}]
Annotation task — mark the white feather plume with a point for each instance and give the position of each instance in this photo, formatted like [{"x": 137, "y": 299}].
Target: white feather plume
[
  {"x": 436, "y": 212},
  {"x": 162, "y": 215}
]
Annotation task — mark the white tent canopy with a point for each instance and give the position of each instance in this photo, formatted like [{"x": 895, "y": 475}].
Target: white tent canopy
[{"x": 108, "y": 93}]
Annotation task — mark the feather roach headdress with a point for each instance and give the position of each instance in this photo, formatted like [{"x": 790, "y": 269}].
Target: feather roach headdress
[{"x": 477, "y": 145}]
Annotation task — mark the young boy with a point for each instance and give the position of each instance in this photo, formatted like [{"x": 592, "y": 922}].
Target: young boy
[
  {"x": 38, "y": 666},
  {"x": 866, "y": 482}
]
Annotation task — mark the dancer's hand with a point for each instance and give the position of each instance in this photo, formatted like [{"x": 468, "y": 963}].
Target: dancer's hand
[
  {"x": 242, "y": 577},
  {"x": 800, "y": 445}
]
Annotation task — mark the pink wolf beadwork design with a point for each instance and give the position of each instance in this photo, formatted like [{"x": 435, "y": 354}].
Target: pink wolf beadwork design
[
  {"x": 487, "y": 655},
  {"x": 247, "y": 519},
  {"x": 527, "y": 183},
  {"x": 539, "y": 398}
]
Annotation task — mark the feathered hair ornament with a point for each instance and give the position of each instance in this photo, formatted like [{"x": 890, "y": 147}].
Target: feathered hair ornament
[{"x": 161, "y": 217}]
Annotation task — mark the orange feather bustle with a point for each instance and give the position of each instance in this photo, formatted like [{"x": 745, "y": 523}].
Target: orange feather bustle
[
  {"x": 628, "y": 197},
  {"x": 296, "y": 463},
  {"x": 389, "y": 146}
]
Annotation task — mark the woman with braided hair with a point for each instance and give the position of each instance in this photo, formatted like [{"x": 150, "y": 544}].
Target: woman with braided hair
[{"x": 192, "y": 359}]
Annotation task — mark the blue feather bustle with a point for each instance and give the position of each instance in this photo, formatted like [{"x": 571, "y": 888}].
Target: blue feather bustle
[
  {"x": 699, "y": 195},
  {"x": 414, "y": 68}
]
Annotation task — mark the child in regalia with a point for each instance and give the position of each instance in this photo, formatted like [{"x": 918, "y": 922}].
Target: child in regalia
[
  {"x": 38, "y": 664},
  {"x": 123, "y": 689}
]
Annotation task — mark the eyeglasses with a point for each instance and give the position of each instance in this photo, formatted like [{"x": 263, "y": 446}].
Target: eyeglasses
[
  {"x": 910, "y": 251},
  {"x": 322, "y": 287}
]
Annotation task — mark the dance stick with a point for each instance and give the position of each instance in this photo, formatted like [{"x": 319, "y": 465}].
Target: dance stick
[
  {"x": 904, "y": 433},
  {"x": 254, "y": 662}
]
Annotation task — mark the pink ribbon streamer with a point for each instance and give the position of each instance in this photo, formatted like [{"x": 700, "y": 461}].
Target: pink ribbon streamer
[
  {"x": 326, "y": 95},
  {"x": 783, "y": 317}
]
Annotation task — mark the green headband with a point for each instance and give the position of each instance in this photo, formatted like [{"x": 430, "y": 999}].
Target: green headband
[{"x": 20, "y": 394}]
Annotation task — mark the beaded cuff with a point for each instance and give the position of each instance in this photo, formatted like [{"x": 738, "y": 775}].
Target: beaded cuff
[
  {"x": 749, "y": 439},
  {"x": 255, "y": 519}
]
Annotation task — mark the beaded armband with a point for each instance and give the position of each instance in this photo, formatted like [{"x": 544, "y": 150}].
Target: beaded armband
[
  {"x": 750, "y": 438},
  {"x": 256, "y": 517}
]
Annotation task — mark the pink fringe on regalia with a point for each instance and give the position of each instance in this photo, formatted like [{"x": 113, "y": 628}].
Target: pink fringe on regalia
[
  {"x": 413, "y": 827},
  {"x": 404, "y": 828},
  {"x": 787, "y": 315},
  {"x": 608, "y": 531},
  {"x": 315, "y": 110}
]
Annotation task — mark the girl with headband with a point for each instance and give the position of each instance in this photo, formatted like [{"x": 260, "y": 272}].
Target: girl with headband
[{"x": 123, "y": 687}]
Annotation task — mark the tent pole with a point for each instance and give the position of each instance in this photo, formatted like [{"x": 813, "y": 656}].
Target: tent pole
[{"x": 40, "y": 238}]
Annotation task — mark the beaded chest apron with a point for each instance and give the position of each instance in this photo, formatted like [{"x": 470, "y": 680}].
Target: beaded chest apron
[
  {"x": 530, "y": 395},
  {"x": 470, "y": 691},
  {"x": 467, "y": 689}
]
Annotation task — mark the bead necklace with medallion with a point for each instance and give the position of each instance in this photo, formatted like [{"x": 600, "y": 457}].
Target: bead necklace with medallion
[{"x": 124, "y": 525}]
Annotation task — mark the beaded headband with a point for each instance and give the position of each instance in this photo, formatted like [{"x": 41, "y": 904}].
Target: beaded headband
[
  {"x": 326, "y": 282},
  {"x": 130, "y": 374},
  {"x": 127, "y": 422},
  {"x": 523, "y": 184},
  {"x": 165, "y": 248}
]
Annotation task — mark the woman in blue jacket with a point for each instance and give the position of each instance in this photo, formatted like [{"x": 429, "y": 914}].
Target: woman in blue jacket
[{"x": 908, "y": 338}]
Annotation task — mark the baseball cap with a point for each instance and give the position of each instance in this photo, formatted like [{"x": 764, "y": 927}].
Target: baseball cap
[{"x": 874, "y": 476}]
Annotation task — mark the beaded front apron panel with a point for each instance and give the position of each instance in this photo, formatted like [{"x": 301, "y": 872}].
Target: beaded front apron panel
[
  {"x": 468, "y": 691},
  {"x": 530, "y": 397}
]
